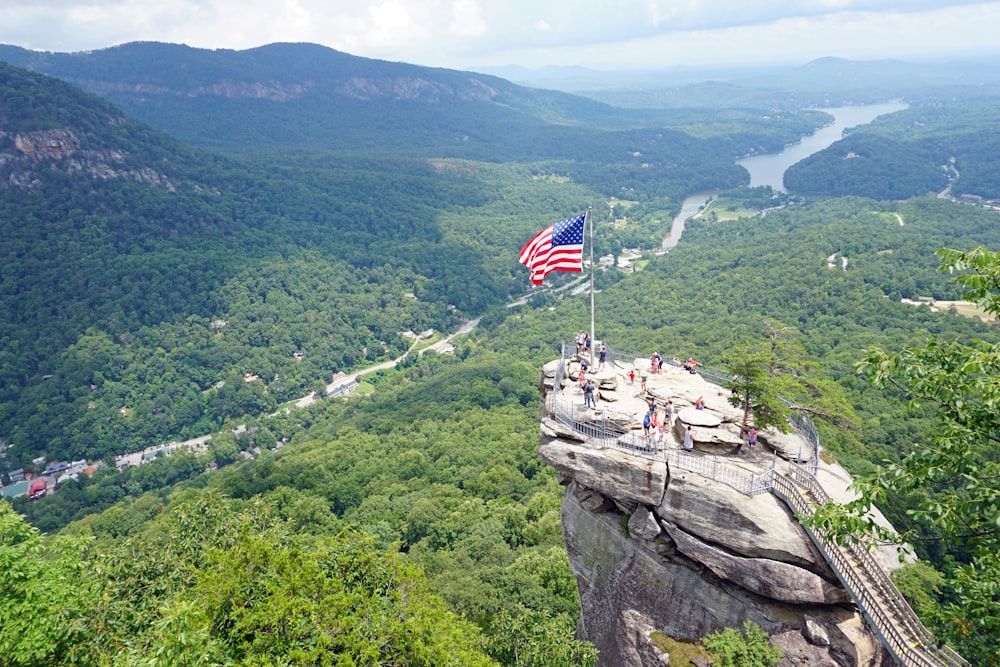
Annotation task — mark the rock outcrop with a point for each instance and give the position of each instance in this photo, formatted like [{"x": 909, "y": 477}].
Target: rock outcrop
[
  {"x": 26, "y": 158},
  {"x": 658, "y": 547}
]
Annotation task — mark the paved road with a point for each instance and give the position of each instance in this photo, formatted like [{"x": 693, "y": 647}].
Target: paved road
[
  {"x": 439, "y": 346},
  {"x": 135, "y": 458}
]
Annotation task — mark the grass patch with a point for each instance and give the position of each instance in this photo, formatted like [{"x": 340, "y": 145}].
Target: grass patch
[
  {"x": 965, "y": 308},
  {"x": 890, "y": 218},
  {"x": 726, "y": 209},
  {"x": 550, "y": 178},
  {"x": 681, "y": 653},
  {"x": 363, "y": 389},
  {"x": 425, "y": 343}
]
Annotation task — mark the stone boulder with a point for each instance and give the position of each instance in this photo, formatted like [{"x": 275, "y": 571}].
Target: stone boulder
[
  {"x": 745, "y": 525},
  {"x": 618, "y": 574},
  {"x": 705, "y": 418},
  {"x": 552, "y": 428},
  {"x": 607, "y": 394},
  {"x": 720, "y": 440},
  {"x": 790, "y": 446},
  {"x": 770, "y": 578},
  {"x": 635, "y": 630},
  {"x": 606, "y": 381},
  {"x": 611, "y": 472},
  {"x": 549, "y": 370},
  {"x": 592, "y": 501},
  {"x": 643, "y": 524},
  {"x": 816, "y": 633}
]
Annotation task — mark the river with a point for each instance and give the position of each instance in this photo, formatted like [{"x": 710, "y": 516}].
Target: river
[{"x": 769, "y": 169}]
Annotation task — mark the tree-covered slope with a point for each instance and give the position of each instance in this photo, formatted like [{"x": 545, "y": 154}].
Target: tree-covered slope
[
  {"x": 441, "y": 459},
  {"x": 138, "y": 274},
  {"x": 307, "y": 96},
  {"x": 910, "y": 153},
  {"x": 438, "y": 468}
]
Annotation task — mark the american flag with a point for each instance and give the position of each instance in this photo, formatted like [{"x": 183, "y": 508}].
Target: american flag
[{"x": 558, "y": 247}]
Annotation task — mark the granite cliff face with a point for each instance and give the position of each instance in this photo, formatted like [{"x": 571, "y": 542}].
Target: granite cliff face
[
  {"x": 656, "y": 547},
  {"x": 25, "y": 158},
  {"x": 407, "y": 88}
]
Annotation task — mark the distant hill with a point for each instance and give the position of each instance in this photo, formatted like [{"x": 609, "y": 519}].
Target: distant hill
[
  {"x": 921, "y": 150},
  {"x": 283, "y": 96},
  {"x": 142, "y": 280},
  {"x": 819, "y": 83}
]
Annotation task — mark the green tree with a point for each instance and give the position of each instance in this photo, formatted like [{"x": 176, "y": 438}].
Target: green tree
[
  {"x": 755, "y": 391},
  {"x": 43, "y": 592},
  {"x": 775, "y": 380},
  {"x": 952, "y": 480},
  {"x": 750, "y": 648},
  {"x": 534, "y": 639},
  {"x": 223, "y": 448}
]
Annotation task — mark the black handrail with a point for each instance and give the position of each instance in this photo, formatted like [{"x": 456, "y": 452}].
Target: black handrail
[
  {"x": 864, "y": 578},
  {"x": 880, "y": 602}
]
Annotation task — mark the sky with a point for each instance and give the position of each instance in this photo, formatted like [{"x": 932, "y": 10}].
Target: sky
[{"x": 466, "y": 34}]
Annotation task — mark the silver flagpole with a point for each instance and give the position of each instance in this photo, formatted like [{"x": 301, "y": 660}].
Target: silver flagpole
[{"x": 593, "y": 338}]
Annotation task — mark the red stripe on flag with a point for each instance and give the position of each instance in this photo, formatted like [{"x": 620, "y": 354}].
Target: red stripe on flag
[{"x": 542, "y": 257}]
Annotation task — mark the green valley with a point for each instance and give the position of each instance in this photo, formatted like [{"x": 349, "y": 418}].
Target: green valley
[{"x": 162, "y": 284}]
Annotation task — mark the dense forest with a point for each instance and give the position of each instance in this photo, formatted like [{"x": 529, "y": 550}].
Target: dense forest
[
  {"x": 145, "y": 299},
  {"x": 413, "y": 523},
  {"x": 911, "y": 153},
  {"x": 309, "y": 97}
]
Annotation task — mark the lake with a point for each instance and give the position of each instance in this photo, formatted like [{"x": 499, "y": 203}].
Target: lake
[{"x": 769, "y": 169}]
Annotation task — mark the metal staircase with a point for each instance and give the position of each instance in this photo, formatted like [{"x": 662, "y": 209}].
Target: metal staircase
[
  {"x": 878, "y": 599},
  {"x": 862, "y": 575}
]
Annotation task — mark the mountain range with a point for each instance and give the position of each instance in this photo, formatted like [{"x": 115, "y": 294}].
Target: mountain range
[
  {"x": 305, "y": 96},
  {"x": 310, "y": 96},
  {"x": 192, "y": 240},
  {"x": 819, "y": 83}
]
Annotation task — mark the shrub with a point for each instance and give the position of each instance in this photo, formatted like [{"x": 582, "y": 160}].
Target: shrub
[{"x": 751, "y": 648}]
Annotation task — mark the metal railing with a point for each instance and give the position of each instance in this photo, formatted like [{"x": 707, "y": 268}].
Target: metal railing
[
  {"x": 864, "y": 578},
  {"x": 711, "y": 466}
]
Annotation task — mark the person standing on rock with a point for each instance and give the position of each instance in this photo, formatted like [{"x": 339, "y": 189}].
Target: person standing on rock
[
  {"x": 752, "y": 441},
  {"x": 581, "y": 338},
  {"x": 642, "y": 382},
  {"x": 668, "y": 413},
  {"x": 655, "y": 437},
  {"x": 688, "y": 439},
  {"x": 588, "y": 395},
  {"x": 603, "y": 357}
]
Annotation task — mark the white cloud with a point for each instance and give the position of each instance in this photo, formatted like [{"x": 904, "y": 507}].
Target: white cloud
[
  {"x": 465, "y": 33},
  {"x": 467, "y": 19}
]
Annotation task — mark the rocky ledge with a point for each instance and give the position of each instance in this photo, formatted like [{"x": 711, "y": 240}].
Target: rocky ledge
[
  {"x": 660, "y": 548},
  {"x": 26, "y": 158}
]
